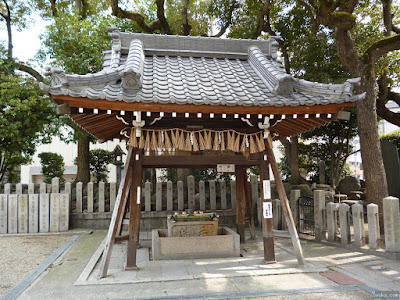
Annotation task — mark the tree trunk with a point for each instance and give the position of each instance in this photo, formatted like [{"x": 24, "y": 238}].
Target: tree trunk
[
  {"x": 294, "y": 166},
  {"x": 83, "y": 174},
  {"x": 374, "y": 171}
]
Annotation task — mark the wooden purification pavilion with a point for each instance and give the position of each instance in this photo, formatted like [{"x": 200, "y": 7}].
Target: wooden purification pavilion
[{"x": 220, "y": 100}]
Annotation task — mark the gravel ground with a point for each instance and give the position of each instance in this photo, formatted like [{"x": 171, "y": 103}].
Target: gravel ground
[{"x": 19, "y": 255}]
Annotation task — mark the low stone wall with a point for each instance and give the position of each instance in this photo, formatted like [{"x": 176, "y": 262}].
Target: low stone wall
[
  {"x": 149, "y": 219},
  {"x": 225, "y": 244}
]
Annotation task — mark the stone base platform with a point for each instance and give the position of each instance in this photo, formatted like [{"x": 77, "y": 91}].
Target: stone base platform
[
  {"x": 225, "y": 244},
  {"x": 249, "y": 264}
]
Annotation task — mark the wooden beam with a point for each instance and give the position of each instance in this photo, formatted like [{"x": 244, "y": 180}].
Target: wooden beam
[
  {"x": 117, "y": 216},
  {"x": 63, "y": 109},
  {"x": 196, "y": 161},
  {"x": 285, "y": 203},
  {"x": 267, "y": 223},
  {"x": 240, "y": 222},
  {"x": 193, "y": 108},
  {"x": 134, "y": 213}
]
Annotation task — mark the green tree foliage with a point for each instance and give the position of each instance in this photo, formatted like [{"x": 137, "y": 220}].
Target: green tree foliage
[
  {"x": 77, "y": 45},
  {"x": 99, "y": 161},
  {"x": 52, "y": 166},
  {"x": 26, "y": 118}
]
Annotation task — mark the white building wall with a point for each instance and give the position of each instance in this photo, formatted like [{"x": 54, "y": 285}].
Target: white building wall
[{"x": 69, "y": 152}]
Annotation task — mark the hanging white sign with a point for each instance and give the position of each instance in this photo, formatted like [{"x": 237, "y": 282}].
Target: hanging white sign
[
  {"x": 138, "y": 195},
  {"x": 267, "y": 210},
  {"x": 225, "y": 168},
  {"x": 267, "y": 189}
]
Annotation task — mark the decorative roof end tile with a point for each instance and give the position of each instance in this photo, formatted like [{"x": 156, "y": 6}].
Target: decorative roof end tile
[{"x": 132, "y": 75}]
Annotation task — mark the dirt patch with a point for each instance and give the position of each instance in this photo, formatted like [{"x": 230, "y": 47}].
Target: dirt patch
[{"x": 21, "y": 255}]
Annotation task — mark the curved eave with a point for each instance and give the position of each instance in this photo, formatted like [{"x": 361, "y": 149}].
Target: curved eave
[
  {"x": 287, "y": 121},
  {"x": 81, "y": 102}
]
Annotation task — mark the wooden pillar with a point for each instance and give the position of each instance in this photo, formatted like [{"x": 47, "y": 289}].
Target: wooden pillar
[
  {"x": 284, "y": 202},
  {"x": 240, "y": 178},
  {"x": 134, "y": 212},
  {"x": 118, "y": 213},
  {"x": 267, "y": 221}
]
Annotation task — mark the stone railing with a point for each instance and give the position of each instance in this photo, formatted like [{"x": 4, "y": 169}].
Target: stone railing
[{"x": 353, "y": 226}]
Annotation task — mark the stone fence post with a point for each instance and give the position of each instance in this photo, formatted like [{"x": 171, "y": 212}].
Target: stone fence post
[
  {"x": 373, "y": 225},
  {"x": 319, "y": 209},
  {"x": 358, "y": 223},
  {"x": 344, "y": 223},
  {"x": 332, "y": 219},
  {"x": 391, "y": 222},
  {"x": 294, "y": 198}
]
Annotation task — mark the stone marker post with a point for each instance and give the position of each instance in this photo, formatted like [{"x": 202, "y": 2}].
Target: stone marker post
[
  {"x": 373, "y": 225},
  {"x": 233, "y": 194},
  {"x": 344, "y": 222},
  {"x": 19, "y": 189},
  {"x": 55, "y": 185},
  {"x": 12, "y": 213},
  {"x": 64, "y": 212},
  {"x": 102, "y": 199},
  {"x": 391, "y": 222},
  {"x": 319, "y": 208},
  {"x": 43, "y": 188},
  {"x": 170, "y": 199},
  {"x": 222, "y": 185},
  {"x": 7, "y": 188},
  {"x": 31, "y": 188},
  {"x": 147, "y": 196},
  {"x": 358, "y": 223},
  {"x": 54, "y": 212},
  {"x": 294, "y": 198},
  {"x": 44, "y": 212},
  {"x": 158, "y": 196},
  {"x": 180, "y": 195},
  {"x": 191, "y": 190},
  {"x": 33, "y": 213},
  {"x": 23, "y": 213},
  {"x": 213, "y": 195},
  {"x": 90, "y": 197},
  {"x": 277, "y": 213},
  {"x": 79, "y": 197},
  {"x": 3, "y": 213},
  {"x": 332, "y": 219},
  {"x": 202, "y": 194},
  {"x": 113, "y": 195}
]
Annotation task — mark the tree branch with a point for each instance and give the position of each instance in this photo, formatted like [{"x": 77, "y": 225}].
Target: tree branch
[
  {"x": 161, "y": 16},
  {"x": 260, "y": 18},
  {"x": 380, "y": 48},
  {"x": 311, "y": 13},
  {"x": 136, "y": 17},
  {"x": 185, "y": 22},
  {"x": 228, "y": 20},
  {"x": 54, "y": 11},
  {"x": 381, "y": 100},
  {"x": 30, "y": 71}
]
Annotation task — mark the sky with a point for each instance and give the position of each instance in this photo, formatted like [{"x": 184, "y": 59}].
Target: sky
[{"x": 27, "y": 42}]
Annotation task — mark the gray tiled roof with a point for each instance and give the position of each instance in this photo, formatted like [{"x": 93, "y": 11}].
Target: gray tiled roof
[{"x": 196, "y": 70}]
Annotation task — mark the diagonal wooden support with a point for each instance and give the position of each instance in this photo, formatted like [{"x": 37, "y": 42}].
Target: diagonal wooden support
[
  {"x": 284, "y": 202},
  {"x": 134, "y": 213},
  {"x": 118, "y": 213}
]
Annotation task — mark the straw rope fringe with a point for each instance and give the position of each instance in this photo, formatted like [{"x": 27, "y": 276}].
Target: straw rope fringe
[{"x": 204, "y": 139}]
